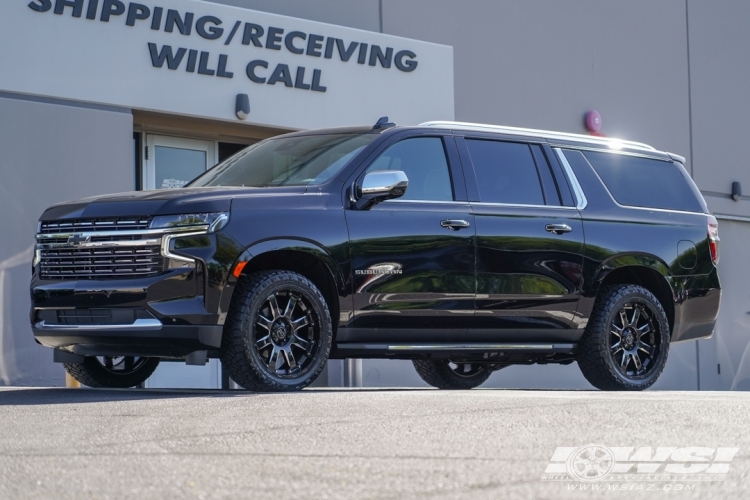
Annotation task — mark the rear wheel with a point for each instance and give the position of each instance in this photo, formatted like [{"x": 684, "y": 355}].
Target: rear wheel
[
  {"x": 626, "y": 342},
  {"x": 112, "y": 371},
  {"x": 446, "y": 374},
  {"x": 278, "y": 333}
]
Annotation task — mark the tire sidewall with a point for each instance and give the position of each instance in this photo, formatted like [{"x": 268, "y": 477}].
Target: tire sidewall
[
  {"x": 659, "y": 317},
  {"x": 254, "y": 301}
]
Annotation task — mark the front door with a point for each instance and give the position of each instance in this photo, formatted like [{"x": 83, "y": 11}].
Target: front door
[
  {"x": 529, "y": 242},
  {"x": 172, "y": 162},
  {"x": 413, "y": 257}
]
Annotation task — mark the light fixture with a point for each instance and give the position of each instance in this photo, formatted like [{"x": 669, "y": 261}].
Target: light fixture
[
  {"x": 242, "y": 106},
  {"x": 736, "y": 191}
]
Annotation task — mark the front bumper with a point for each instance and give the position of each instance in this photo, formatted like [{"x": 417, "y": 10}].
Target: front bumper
[{"x": 144, "y": 337}]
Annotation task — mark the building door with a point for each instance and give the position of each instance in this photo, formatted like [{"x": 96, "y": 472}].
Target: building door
[{"x": 172, "y": 162}]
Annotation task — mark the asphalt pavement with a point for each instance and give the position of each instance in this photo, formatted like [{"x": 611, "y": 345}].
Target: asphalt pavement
[{"x": 369, "y": 443}]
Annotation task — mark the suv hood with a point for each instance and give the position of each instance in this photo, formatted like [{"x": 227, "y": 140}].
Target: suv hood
[{"x": 160, "y": 202}]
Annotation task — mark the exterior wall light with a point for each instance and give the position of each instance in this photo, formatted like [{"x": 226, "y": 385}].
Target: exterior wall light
[
  {"x": 242, "y": 106},
  {"x": 736, "y": 191}
]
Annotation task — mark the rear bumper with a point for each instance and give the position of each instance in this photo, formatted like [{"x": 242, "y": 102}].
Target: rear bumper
[
  {"x": 696, "y": 307},
  {"x": 145, "y": 337}
]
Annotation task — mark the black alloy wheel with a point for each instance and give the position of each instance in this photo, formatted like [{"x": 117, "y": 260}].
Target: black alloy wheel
[
  {"x": 112, "y": 371},
  {"x": 278, "y": 333},
  {"x": 447, "y": 374},
  {"x": 285, "y": 336},
  {"x": 633, "y": 340},
  {"x": 626, "y": 342}
]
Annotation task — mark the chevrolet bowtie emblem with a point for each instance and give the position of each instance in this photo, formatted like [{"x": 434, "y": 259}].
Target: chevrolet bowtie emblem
[{"x": 77, "y": 239}]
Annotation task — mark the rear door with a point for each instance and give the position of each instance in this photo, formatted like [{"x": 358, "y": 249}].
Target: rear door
[{"x": 529, "y": 241}]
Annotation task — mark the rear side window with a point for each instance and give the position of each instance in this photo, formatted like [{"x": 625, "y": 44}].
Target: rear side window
[
  {"x": 506, "y": 172},
  {"x": 642, "y": 182}
]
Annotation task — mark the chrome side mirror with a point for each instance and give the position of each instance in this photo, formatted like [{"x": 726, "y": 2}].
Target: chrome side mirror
[{"x": 381, "y": 185}]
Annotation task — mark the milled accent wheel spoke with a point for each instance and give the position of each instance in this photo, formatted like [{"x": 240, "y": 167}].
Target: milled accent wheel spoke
[
  {"x": 624, "y": 360},
  {"x": 636, "y": 361},
  {"x": 263, "y": 343},
  {"x": 636, "y": 315},
  {"x": 290, "y": 307},
  {"x": 301, "y": 343},
  {"x": 642, "y": 346},
  {"x": 300, "y": 323},
  {"x": 273, "y": 359},
  {"x": 616, "y": 347},
  {"x": 264, "y": 322},
  {"x": 616, "y": 330},
  {"x": 623, "y": 318},
  {"x": 644, "y": 330},
  {"x": 274, "y": 306},
  {"x": 289, "y": 358}
]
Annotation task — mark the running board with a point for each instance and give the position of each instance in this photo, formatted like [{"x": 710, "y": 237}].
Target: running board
[{"x": 528, "y": 347}]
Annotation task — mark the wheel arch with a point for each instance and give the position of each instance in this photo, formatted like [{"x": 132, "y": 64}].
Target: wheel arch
[
  {"x": 304, "y": 257},
  {"x": 643, "y": 270}
]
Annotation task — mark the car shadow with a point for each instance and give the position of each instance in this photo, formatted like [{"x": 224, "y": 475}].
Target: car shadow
[
  {"x": 61, "y": 395},
  {"x": 28, "y": 396}
]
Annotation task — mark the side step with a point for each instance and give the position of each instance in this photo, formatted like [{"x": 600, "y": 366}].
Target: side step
[{"x": 395, "y": 349}]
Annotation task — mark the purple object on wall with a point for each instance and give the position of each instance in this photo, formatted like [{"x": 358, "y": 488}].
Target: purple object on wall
[{"x": 593, "y": 121}]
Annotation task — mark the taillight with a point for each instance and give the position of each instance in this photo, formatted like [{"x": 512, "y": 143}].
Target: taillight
[{"x": 713, "y": 238}]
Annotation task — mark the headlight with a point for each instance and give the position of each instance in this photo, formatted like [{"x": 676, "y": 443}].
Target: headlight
[{"x": 214, "y": 221}]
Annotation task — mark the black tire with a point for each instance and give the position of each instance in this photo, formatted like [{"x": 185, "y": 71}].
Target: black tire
[
  {"x": 445, "y": 374},
  {"x": 608, "y": 358},
  {"x": 112, "y": 371},
  {"x": 255, "y": 330}
]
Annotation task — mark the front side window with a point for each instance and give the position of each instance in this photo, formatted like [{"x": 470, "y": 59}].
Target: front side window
[
  {"x": 506, "y": 172},
  {"x": 423, "y": 161},
  {"x": 287, "y": 161}
]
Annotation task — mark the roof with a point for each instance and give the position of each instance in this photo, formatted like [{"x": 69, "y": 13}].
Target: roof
[{"x": 546, "y": 134}]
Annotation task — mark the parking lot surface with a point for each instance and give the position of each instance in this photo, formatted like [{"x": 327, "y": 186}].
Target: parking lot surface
[{"x": 352, "y": 444}]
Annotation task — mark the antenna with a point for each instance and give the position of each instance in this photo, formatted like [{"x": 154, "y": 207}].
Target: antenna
[{"x": 383, "y": 123}]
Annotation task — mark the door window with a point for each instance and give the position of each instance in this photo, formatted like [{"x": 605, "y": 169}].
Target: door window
[
  {"x": 506, "y": 172},
  {"x": 423, "y": 161},
  {"x": 172, "y": 162}
]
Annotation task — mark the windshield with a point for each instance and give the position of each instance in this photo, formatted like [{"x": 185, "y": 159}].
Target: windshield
[{"x": 290, "y": 161}]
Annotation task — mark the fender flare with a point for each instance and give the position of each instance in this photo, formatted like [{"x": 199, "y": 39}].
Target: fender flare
[{"x": 259, "y": 248}]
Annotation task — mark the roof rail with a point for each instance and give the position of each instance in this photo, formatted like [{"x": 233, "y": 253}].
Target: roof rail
[{"x": 547, "y": 134}]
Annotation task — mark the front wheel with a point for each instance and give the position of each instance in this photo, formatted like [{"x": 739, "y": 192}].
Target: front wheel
[
  {"x": 445, "y": 374},
  {"x": 626, "y": 341},
  {"x": 278, "y": 333},
  {"x": 112, "y": 371}
]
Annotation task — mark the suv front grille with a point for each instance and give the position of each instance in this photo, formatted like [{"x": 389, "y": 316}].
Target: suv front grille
[
  {"x": 101, "y": 262},
  {"x": 61, "y": 256},
  {"x": 91, "y": 225}
]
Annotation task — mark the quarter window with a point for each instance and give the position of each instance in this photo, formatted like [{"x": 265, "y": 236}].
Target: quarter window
[
  {"x": 506, "y": 172},
  {"x": 423, "y": 161},
  {"x": 643, "y": 182}
]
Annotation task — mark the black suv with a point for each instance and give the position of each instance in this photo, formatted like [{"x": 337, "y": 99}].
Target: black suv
[{"x": 465, "y": 248}]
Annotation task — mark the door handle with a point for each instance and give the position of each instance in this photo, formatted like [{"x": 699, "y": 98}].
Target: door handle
[
  {"x": 558, "y": 228},
  {"x": 455, "y": 225}
]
